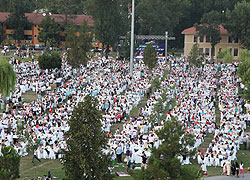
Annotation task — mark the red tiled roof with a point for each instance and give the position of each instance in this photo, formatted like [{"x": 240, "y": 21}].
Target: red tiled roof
[
  {"x": 192, "y": 30},
  {"x": 36, "y": 18}
]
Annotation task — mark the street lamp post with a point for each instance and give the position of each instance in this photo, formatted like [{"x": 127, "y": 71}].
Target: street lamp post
[
  {"x": 166, "y": 44},
  {"x": 132, "y": 38}
]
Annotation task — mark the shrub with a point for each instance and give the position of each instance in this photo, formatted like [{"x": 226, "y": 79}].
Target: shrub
[
  {"x": 50, "y": 61},
  {"x": 226, "y": 55}
]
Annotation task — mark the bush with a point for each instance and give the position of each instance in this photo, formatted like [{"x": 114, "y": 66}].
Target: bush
[
  {"x": 50, "y": 61},
  {"x": 9, "y": 163},
  {"x": 226, "y": 55}
]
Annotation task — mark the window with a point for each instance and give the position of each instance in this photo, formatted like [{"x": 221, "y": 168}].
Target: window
[
  {"x": 230, "y": 39},
  {"x": 200, "y": 51},
  {"x": 28, "y": 26},
  {"x": 27, "y": 37},
  {"x": 220, "y": 49},
  {"x": 236, "y": 40},
  {"x": 208, "y": 39},
  {"x": 201, "y": 39},
  {"x": 236, "y": 51},
  {"x": 230, "y": 50},
  {"x": 207, "y": 51},
  {"x": 195, "y": 38}
]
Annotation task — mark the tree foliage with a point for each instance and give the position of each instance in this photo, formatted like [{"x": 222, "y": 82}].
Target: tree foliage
[
  {"x": 244, "y": 71},
  {"x": 79, "y": 44},
  {"x": 84, "y": 158},
  {"x": 158, "y": 16},
  {"x": 238, "y": 23},
  {"x": 50, "y": 61},
  {"x": 7, "y": 78},
  {"x": 2, "y": 31},
  {"x": 163, "y": 162},
  {"x": 9, "y": 164},
  {"x": 194, "y": 55},
  {"x": 66, "y": 7},
  {"x": 210, "y": 28},
  {"x": 49, "y": 31},
  {"x": 226, "y": 55},
  {"x": 109, "y": 20},
  {"x": 17, "y": 19},
  {"x": 150, "y": 56}
]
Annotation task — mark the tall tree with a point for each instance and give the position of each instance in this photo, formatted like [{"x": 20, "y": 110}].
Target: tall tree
[
  {"x": 238, "y": 23},
  {"x": 109, "y": 20},
  {"x": 9, "y": 164},
  {"x": 7, "y": 78},
  {"x": 194, "y": 55},
  {"x": 210, "y": 27},
  {"x": 2, "y": 33},
  {"x": 158, "y": 16},
  {"x": 4, "y": 5},
  {"x": 163, "y": 162},
  {"x": 79, "y": 44},
  {"x": 244, "y": 71},
  {"x": 84, "y": 158},
  {"x": 49, "y": 31},
  {"x": 17, "y": 19},
  {"x": 150, "y": 56}
]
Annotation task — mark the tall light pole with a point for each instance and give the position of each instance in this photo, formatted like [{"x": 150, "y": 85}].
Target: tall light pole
[
  {"x": 166, "y": 44},
  {"x": 132, "y": 38}
]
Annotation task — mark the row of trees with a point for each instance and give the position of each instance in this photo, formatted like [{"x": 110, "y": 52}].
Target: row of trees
[
  {"x": 244, "y": 72},
  {"x": 235, "y": 21}
]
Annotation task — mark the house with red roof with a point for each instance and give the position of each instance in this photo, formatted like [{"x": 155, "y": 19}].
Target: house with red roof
[
  {"x": 192, "y": 37},
  {"x": 31, "y": 33}
]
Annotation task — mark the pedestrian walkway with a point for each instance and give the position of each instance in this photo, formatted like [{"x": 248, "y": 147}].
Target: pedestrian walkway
[{"x": 247, "y": 177}]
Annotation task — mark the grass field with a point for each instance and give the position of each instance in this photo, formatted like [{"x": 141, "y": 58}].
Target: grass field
[
  {"x": 29, "y": 170},
  {"x": 29, "y": 96}
]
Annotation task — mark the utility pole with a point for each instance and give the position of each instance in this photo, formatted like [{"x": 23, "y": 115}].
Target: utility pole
[
  {"x": 132, "y": 38},
  {"x": 166, "y": 44}
]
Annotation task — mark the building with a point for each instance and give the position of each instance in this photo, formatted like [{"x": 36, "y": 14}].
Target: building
[
  {"x": 31, "y": 33},
  {"x": 191, "y": 37}
]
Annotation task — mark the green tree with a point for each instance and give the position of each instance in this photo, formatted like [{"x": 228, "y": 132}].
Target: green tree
[
  {"x": 238, "y": 23},
  {"x": 5, "y": 5},
  {"x": 84, "y": 158},
  {"x": 17, "y": 19},
  {"x": 2, "y": 31},
  {"x": 158, "y": 16},
  {"x": 50, "y": 61},
  {"x": 150, "y": 56},
  {"x": 210, "y": 28},
  {"x": 7, "y": 78},
  {"x": 49, "y": 31},
  {"x": 109, "y": 20},
  {"x": 244, "y": 71},
  {"x": 194, "y": 55},
  {"x": 79, "y": 44},
  {"x": 226, "y": 55},
  {"x": 69, "y": 8},
  {"x": 163, "y": 162},
  {"x": 9, "y": 164}
]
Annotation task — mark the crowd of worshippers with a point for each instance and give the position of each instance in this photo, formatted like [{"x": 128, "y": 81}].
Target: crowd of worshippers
[{"x": 198, "y": 91}]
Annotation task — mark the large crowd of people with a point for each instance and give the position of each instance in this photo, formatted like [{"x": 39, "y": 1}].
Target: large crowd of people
[{"x": 197, "y": 92}]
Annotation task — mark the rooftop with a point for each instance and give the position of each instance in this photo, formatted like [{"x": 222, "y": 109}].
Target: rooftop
[
  {"x": 36, "y": 18},
  {"x": 192, "y": 30}
]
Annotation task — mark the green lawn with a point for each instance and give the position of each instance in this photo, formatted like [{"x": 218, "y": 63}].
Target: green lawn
[
  {"x": 29, "y": 96},
  {"x": 29, "y": 170}
]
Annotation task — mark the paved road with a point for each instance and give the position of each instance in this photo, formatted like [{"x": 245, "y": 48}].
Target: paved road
[{"x": 247, "y": 177}]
